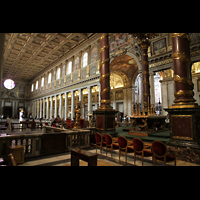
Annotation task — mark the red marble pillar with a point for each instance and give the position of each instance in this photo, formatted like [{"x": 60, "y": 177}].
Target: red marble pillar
[
  {"x": 182, "y": 69},
  {"x": 105, "y": 72},
  {"x": 145, "y": 72}
]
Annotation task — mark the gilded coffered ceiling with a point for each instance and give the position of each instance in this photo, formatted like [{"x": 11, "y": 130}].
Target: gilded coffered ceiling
[{"x": 26, "y": 54}]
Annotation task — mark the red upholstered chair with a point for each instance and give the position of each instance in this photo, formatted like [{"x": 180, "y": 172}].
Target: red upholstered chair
[
  {"x": 46, "y": 123},
  {"x": 123, "y": 146},
  {"x": 99, "y": 141},
  {"x": 139, "y": 149},
  {"x": 110, "y": 144},
  {"x": 159, "y": 150}
]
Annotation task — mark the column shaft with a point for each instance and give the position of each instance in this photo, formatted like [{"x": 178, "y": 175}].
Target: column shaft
[{"x": 182, "y": 69}]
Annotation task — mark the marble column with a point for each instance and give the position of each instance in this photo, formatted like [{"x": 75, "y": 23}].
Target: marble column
[
  {"x": 184, "y": 113},
  {"x": 89, "y": 100},
  {"x": 152, "y": 90},
  {"x": 37, "y": 113},
  {"x": 182, "y": 69},
  {"x": 80, "y": 99},
  {"x": 105, "y": 115},
  {"x": 51, "y": 107},
  {"x": 47, "y": 109},
  {"x": 60, "y": 106},
  {"x": 145, "y": 72},
  {"x": 66, "y": 106},
  {"x": 72, "y": 105},
  {"x": 55, "y": 111},
  {"x": 43, "y": 107},
  {"x": 114, "y": 100},
  {"x": 105, "y": 73},
  {"x": 40, "y": 108}
]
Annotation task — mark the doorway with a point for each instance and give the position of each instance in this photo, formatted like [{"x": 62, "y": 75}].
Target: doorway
[
  {"x": 7, "y": 111},
  {"x": 120, "y": 107}
]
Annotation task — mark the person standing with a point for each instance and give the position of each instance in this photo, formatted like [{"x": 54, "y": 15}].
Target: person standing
[
  {"x": 52, "y": 120},
  {"x": 9, "y": 124}
]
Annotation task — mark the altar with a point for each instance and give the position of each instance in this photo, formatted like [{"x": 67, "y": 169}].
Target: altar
[{"x": 144, "y": 124}]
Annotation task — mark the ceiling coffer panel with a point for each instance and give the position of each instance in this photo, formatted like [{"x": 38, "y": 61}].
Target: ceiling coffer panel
[{"x": 26, "y": 54}]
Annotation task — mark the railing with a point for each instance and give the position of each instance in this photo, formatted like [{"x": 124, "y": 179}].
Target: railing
[{"x": 32, "y": 142}]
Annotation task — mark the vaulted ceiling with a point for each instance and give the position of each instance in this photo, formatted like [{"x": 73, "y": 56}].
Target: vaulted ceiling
[{"x": 26, "y": 54}]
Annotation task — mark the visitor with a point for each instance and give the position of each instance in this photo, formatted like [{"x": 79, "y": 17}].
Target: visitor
[
  {"x": 9, "y": 124},
  {"x": 58, "y": 119},
  {"x": 52, "y": 120}
]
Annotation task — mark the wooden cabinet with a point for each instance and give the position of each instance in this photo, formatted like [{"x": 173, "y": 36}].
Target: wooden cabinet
[
  {"x": 18, "y": 153},
  {"x": 53, "y": 143}
]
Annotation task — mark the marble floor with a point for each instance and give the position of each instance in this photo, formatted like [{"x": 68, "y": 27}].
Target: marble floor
[{"x": 64, "y": 159}]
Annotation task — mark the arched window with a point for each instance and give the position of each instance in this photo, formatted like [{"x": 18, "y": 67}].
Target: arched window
[
  {"x": 58, "y": 73},
  {"x": 42, "y": 82},
  {"x": 69, "y": 68},
  {"x": 49, "y": 78},
  {"x": 36, "y": 85},
  {"x": 85, "y": 59},
  {"x": 32, "y": 87}
]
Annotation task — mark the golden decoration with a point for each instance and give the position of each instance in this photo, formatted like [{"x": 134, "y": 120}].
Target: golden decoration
[
  {"x": 181, "y": 56},
  {"x": 104, "y": 61},
  {"x": 103, "y": 48},
  {"x": 106, "y": 90},
  {"x": 106, "y": 101},
  {"x": 103, "y": 36},
  {"x": 145, "y": 72},
  {"x": 144, "y": 62},
  {"x": 104, "y": 76},
  {"x": 179, "y": 79},
  {"x": 189, "y": 93},
  {"x": 145, "y": 82}
]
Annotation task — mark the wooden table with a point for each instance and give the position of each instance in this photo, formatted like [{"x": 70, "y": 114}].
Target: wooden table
[{"x": 91, "y": 158}]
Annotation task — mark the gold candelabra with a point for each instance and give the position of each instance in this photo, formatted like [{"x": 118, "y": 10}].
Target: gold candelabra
[{"x": 136, "y": 110}]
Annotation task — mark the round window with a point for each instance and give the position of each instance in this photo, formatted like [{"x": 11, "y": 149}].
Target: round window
[{"x": 9, "y": 84}]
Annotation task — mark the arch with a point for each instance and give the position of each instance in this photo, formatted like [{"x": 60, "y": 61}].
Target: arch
[
  {"x": 136, "y": 59},
  {"x": 133, "y": 56},
  {"x": 124, "y": 78}
]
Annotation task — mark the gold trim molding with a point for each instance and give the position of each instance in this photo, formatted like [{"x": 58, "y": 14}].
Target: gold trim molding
[{"x": 181, "y": 56}]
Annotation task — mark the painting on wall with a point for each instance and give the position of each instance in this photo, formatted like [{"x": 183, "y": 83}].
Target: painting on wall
[
  {"x": 21, "y": 88},
  {"x": 68, "y": 79},
  {"x": 83, "y": 72},
  {"x": 159, "y": 46},
  {"x": 75, "y": 76},
  {"x": 76, "y": 64},
  {"x": 94, "y": 54},
  {"x": 93, "y": 70},
  {"x": 195, "y": 37},
  {"x": 119, "y": 40}
]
